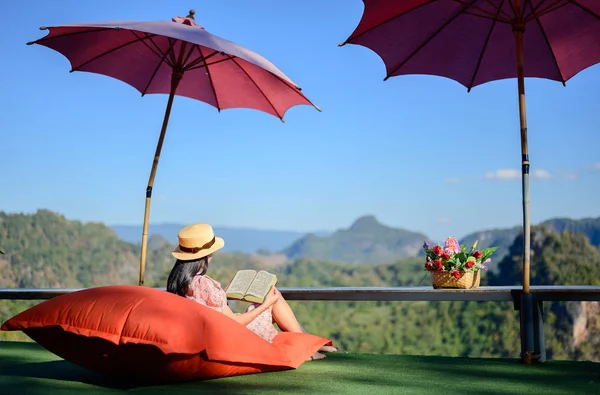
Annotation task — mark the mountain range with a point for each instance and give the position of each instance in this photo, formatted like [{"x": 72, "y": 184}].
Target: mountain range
[
  {"x": 244, "y": 240},
  {"x": 366, "y": 241},
  {"x": 504, "y": 237}
]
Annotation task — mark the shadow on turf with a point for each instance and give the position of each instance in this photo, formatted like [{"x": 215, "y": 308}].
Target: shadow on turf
[{"x": 66, "y": 371}]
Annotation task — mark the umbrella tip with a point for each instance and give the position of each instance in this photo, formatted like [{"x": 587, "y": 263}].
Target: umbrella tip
[
  {"x": 342, "y": 44},
  {"x": 318, "y": 108},
  {"x": 191, "y": 14},
  {"x": 43, "y": 27}
]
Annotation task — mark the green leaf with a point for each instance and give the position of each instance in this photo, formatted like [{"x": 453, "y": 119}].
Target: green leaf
[
  {"x": 487, "y": 252},
  {"x": 461, "y": 257}
]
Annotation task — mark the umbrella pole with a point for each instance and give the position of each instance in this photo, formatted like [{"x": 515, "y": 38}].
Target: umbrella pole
[
  {"x": 526, "y": 312},
  {"x": 174, "y": 83}
]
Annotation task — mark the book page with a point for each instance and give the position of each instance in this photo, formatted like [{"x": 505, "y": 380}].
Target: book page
[
  {"x": 240, "y": 283},
  {"x": 262, "y": 284}
]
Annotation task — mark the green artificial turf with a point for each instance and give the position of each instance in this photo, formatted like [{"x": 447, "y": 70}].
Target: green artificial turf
[{"x": 25, "y": 368}]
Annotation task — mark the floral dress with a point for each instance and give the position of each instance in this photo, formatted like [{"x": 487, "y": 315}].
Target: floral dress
[{"x": 206, "y": 291}]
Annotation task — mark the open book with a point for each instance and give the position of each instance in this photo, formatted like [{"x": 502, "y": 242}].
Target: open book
[{"x": 250, "y": 285}]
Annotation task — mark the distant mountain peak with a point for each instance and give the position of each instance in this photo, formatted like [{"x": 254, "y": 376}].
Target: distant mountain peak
[
  {"x": 366, "y": 241},
  {"x": 366, "y": 222}
]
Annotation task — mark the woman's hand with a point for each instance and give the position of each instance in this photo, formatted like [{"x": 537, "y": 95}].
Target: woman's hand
[{"x": 272, "y": 297}]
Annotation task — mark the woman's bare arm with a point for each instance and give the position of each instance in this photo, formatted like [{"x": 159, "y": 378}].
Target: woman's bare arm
[{"x": 245, "y": 318}]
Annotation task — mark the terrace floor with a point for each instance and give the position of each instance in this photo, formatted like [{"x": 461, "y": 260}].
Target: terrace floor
[{"x": 26, "y": 368}]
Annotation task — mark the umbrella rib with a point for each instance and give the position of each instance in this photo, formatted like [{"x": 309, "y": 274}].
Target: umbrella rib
[
  {"x": 539, "y": 5},
  {"x": 167, "y": 61},
  {"x": 256, "y": 85},
  {"x": 431, "y": 37},
  {"x": 210, "y": 80},
  {"x": 391, "y": 19},
  {"x": 577, "y": 4},
  {"x": 197, "y": 64},
  {"x": 499, "y": 9},
  {"x": 188, "y": 56},
  {"x": 539, "y": 23},
  {"x": 162, "y": 60},
  {"x": 156, "y": 51},
  {"x": 294, "y": 88},
  {"x": 485, "y": 44},
  {"x": 171, "y": 51},
  {"x": 553, "y": 7},
  {"x": 512, "y": 7},
  {"x": 67, "y": 34},
  {"x": 107, "y": 52},
  {"x": 192, "y": 65},
  {"x": 531, "y": 8},
  {"x": 491, "y": 18},
  {"x": 297, "y": 89}
]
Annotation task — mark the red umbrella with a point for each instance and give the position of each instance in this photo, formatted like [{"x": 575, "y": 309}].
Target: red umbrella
[
  {"x": 176, "y": 57},
  {"x": 476, "y": 41}
]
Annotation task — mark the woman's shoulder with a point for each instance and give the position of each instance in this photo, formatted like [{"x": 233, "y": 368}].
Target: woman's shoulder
[
  {"x": 206, "y": 281},
  {"x": 207, "y": 291}
]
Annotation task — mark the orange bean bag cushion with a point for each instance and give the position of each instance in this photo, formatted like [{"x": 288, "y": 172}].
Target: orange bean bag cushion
[{"x": 151, "y": 335}]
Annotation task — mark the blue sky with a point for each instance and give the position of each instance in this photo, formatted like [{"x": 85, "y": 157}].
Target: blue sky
[{"x": 419, "y": 152}]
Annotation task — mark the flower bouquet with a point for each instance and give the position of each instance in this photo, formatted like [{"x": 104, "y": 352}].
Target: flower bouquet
[{"x": 452, "y": 266}]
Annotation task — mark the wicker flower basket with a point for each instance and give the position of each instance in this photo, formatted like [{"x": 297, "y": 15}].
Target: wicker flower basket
[{"x": 444, "y": 279}]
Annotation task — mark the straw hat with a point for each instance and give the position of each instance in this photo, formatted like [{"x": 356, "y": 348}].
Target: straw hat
[{"x": 197, "y": 241}]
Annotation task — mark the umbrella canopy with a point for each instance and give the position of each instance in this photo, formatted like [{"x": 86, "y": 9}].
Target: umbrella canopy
[
  {"x": 149, "y": 54},
  {"x": 477, "y": 41},
  {"x": 473, "y": 41},
  {"x": 177, "y": 57}
]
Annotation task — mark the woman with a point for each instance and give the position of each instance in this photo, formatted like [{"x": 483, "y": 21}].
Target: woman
[{"x": 188, "y": 278}]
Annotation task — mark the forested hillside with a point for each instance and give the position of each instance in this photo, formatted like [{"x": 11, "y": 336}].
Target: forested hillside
[
  {"x": 365, "y": 241},
  {"x": 504, "y": 237},
  {"x": 47, "y": 250}
]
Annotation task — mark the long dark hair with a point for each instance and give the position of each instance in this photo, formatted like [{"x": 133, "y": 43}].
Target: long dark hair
[{"x": 183, "y": 272}]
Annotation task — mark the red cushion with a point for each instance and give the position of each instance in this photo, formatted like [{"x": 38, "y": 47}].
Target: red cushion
[{"x": 152, "y": 335}]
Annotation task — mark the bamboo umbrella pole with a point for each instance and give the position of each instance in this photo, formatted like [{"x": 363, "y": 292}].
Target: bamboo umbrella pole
[
  {"x": 524, "y": 157},
  {"x": 176, "y": 77},
  {"x": 174, "y": 84},
  {"x": 526, "y": 300}
]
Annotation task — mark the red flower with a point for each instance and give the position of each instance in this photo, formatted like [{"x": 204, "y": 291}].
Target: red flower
[
  {"x": 429, "y": 265},
  {"x": 477, "y": 254},
  {"x": 470, "y": 264},
  {"x": 455, "y": 274},
  {"x": 437, "y": 250},
  {"x": 438, "y": 264},
  {"x": 445, "y": 256}
]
